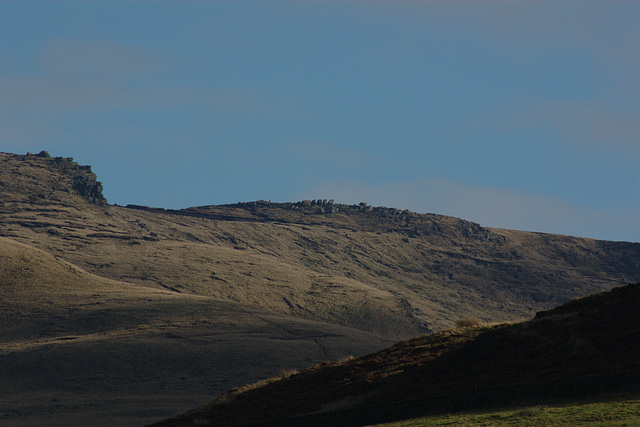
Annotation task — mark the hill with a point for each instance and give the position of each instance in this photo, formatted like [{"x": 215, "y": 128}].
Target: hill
[
  {"x": 214, "y": 297},
  {"x": 78, "y": 349},
  {"x": 394, "y": 273},
  {"x": 586, "y": 348}
]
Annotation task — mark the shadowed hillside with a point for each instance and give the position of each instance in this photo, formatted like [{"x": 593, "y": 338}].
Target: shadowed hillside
[
  {"x": 586, "y": 348},
  {"x": 78, "y": 349},
  {"x": 279, "y": 285}
]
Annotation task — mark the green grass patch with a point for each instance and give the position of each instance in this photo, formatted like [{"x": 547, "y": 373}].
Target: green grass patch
[{"x": 625, "y": 412}]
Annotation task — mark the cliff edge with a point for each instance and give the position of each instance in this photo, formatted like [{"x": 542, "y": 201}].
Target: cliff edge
[{"x": 39, "y": 176}]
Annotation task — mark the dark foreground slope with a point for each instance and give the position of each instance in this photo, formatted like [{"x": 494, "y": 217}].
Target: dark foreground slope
[{"x": 586, "y": 348}]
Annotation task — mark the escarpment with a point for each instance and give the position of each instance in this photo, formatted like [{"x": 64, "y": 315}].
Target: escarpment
[{"x": 40, "y": 177}]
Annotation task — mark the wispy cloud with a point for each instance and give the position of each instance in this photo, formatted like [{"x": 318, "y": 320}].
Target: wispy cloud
[
  {"x": 489, "y": 206},
  {"x": 19, "y": 133},
  {"x": 578, "y": 122},
  {"x": 565, "y": 42},
  {"x": 99, "y": 58},
  {"x": 51, "y": 94},
  {"x": 76, "y": 79},
  {"x": 598, "y": 28},
  {"x": 323, "y": 153}
]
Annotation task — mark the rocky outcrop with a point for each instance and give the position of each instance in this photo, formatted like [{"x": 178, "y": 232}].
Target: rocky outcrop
[
  {"x": 26, "y": 174},
  {"x": 86, "y": 185}
]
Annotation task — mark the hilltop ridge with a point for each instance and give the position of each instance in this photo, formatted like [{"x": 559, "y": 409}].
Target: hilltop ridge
[{"x": 360, "y": 217}]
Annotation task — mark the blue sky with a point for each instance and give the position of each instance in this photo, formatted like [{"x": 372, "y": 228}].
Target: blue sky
[{"x": 519, "y": 114}]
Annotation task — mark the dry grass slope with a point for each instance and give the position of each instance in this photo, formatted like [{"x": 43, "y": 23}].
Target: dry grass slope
[
  {"x": 78, "y": 349},
  {"x": 394, "y": 273}
]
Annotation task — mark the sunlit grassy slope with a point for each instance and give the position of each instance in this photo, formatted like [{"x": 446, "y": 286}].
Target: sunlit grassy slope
[
  {"x": 621, "y": 411},
  {"x": 394, "y": 273}
]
